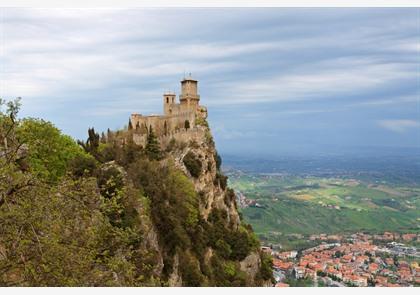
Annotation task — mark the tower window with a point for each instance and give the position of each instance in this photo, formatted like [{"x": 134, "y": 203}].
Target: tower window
[{"x": 167, "y": 100}]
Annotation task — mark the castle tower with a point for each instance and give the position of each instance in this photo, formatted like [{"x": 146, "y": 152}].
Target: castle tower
[
  {"x": 189, "y": 93},
  {"x": 168, "y": 102}
]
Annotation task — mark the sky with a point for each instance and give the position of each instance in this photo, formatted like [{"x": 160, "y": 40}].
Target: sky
[{"x": 275, "y": 81}]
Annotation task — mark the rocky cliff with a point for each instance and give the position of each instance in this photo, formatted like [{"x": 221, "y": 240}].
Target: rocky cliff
[
  {"x": 198, "y": 159},
  {"x": 110, "y": 212},
  {"x": 229, "y": 251}
]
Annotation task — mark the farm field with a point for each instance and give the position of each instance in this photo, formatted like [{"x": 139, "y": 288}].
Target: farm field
[{"x": 289, "y": 206}]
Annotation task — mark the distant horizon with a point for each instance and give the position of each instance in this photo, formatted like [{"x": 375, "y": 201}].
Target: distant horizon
[{"x": 281, "y": 80}]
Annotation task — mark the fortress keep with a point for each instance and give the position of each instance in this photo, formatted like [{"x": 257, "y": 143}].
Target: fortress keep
[{"x": 179, "y": 120}]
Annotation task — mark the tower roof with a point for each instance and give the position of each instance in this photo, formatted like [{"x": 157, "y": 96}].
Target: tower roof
[{"x": 188, "y": 78}]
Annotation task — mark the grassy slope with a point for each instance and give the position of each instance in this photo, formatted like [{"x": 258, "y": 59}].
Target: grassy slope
[{"x": 295, "y": 205}]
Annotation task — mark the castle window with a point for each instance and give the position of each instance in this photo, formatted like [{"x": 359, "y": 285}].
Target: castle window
[{"x": 167, "y": 100}]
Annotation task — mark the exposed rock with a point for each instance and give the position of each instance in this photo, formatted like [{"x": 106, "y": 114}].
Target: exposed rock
[
  {"x": 251, "y": 265},
  {"x": 175, "y": 279}
]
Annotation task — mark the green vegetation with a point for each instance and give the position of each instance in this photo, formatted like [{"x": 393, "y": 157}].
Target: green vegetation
[
  {"x": 295, "y": 205},
  {"x": 299, "y": 283},
  {"x": 49, "y": 151},
  {"x": 152, "y": 146},
  {"x": 106, "y": 212},
  {"x": 193, "y": 164}
]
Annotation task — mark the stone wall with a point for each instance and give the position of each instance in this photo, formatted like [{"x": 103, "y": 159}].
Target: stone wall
[
  {"x": 161, "y": 125},
  {"x": 182, "y": 135}
]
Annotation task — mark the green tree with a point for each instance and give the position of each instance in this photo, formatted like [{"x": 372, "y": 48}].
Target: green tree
[
  {"x": 49, "y": 151},
  {"x": 152, "y": 146},
  {"x": 187, "y": 124},
  {"x": 92, "y": 143},
  {"x": 193, "y": 164}
]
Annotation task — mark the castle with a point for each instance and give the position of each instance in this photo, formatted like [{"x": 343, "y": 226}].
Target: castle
[{"x": 179, "y": 120}]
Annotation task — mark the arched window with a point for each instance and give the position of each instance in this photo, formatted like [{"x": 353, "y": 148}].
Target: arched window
[{"x": 167, "y": 99}]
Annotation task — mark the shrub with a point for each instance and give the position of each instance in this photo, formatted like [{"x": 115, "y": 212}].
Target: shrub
[
  {"x": 221, "y": 180},
  {"x": 201, "y": 122},
  {"x": 83, "y": 165},
  {"x": 229, "y": 197},
  {"x": 190, "y": 270},
  {"x": 110, "y": 181},
  {"x": 223, "y": 248},
  {"x": 266, "y": 270},
  {"x": 171, "y": 145},
  {"x": 192, "y": 164},
  {"x": 218, "y": 160}
]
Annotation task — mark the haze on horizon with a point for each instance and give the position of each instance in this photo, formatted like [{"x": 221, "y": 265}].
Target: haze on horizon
[{"x": 274, "y": 80}]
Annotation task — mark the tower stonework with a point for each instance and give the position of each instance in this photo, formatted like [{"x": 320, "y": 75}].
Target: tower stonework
[
  {"x": 168, "y": 103},
  {"x": 178, "y": 120}
]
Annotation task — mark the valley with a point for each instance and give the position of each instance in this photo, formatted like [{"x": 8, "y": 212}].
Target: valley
[{"x": 285, "y": 209}]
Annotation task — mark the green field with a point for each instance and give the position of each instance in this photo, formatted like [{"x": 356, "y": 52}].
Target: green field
[{"x": 314, "y": 205}]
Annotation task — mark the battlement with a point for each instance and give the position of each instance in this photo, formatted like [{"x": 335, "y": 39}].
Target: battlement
[{"x": 177, "y": 116}]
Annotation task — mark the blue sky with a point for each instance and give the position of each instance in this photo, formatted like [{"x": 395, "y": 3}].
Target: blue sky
[{"x": 276, "y": 80}]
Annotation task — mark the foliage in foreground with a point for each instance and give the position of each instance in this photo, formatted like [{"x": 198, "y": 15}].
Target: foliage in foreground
[{"x": 81, "y": 215}]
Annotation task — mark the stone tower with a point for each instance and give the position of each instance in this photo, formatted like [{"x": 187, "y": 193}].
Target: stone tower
[
  {"x": 189, "y": 93},
  {"x": 179, "y": 119},
  {"x": 168, "y": 103}
]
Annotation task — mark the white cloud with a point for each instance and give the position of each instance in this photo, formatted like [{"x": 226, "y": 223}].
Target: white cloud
[
  {"x": 123, "y": 60},
  {"x": 386, "y": 101},
  {"x": 399, "y": 126},
  {"x": 325, "y": 79}
]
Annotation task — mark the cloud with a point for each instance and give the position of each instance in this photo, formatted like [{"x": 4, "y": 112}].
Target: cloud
[
  {"x": 263, "y": 65},
  {"x": 399, "y": 126},
  {"x": 386, "y": 101},
  {"x": 330, "y": 79}
]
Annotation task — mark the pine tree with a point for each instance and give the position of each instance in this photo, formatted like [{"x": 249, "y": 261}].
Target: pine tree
[
  {"x": 152, "y": 146},
  {"x": 92, "y": 143},
  {"x": 187, "y": 124},
  {"x": 130, "y": 126}
]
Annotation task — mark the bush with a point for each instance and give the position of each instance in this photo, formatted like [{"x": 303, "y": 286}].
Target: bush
[
  {"x": 190, "y": 270},
  {"x": 110, "y": 181},
  {"x": 221, "y": 180},
  {"x": 218, "y": 160},
  {"x": 229, "y": 197},
  {"x": 83, "y": 165},
  {"x": 192, "y": 164},
  {"x": 266, "y": 270},
  {"x": 223, "y": 249}
]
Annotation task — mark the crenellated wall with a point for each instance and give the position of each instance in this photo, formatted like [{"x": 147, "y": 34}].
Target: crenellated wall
[
  {"x": 183, "y": 135},
  {"x": 178, "y": 120}
]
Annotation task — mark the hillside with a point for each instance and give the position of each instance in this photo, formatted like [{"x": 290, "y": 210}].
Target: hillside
[
  {"x": 109, "y": 212},
  {"x": 292, "y": 205}
]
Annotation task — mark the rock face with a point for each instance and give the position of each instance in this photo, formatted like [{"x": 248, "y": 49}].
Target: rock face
[
  {"x": 211, "y": 186},
  {"x": 251, "y": 264},
  {"x": 208, "y": 182}
]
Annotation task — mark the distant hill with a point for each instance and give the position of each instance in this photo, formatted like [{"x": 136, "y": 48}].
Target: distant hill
[{"x": 292, "y": 204}]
